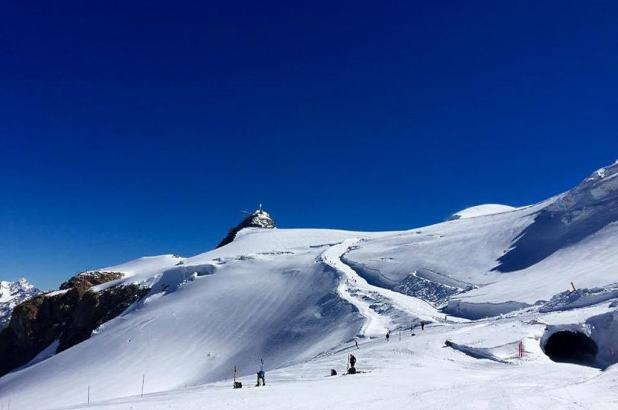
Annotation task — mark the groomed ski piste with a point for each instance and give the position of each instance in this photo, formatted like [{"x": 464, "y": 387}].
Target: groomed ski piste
[{"x": 520, "y": 310}]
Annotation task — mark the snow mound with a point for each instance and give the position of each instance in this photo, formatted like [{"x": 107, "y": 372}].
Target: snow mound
[
  {"x": 481, "y": 210},
  {"x": 580, "y": 298}
]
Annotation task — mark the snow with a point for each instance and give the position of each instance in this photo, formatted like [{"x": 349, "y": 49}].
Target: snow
[
  {"x": 12, "y": 294},
  {"x": 482, "y": 210},
  {"x": 299, "y": 298},
  {"x": 56, "y": 292},
  {"x": 362, "y": 295},
  {"x": 407, "y": 371},
  {"x": 12, "y": 290},
  {"x": 46, "y": 353}
]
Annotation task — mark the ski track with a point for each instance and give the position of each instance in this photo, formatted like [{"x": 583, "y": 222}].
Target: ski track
[{"x": 356, "y": 290}]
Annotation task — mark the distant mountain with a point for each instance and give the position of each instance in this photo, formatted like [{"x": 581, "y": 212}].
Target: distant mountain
[{"x": 11, "y": 295}]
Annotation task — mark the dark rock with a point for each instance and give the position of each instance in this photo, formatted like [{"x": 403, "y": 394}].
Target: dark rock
[
  {"x": 69, "y": 317},
  {"x": 258, "y": 219},
  {"x": 96, "y": 308},
  {"x": 86, "y": 280}
]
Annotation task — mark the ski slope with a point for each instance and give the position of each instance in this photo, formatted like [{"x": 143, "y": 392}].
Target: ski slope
[
  {"x": 298, "y": 298},
  {"x": 411, "y": 371},
  {"x": 358, "y": 292}
]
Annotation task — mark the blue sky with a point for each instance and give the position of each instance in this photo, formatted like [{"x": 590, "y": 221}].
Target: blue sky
[{"x": 146, "y": 128}]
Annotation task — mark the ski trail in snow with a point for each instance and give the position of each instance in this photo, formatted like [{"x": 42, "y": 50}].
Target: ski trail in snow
[
  {"x": 375, "y": 324},
  {"x": 356, "y": 290}
]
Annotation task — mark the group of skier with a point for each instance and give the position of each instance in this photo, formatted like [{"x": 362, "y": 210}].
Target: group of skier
[{"x": 261, "y": 374}]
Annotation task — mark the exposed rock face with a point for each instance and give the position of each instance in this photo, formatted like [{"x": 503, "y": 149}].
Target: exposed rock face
[
  {"x": 11, "y": 295},
  {"x": 86, "y": 280},
  {"x": 258, "y": 219},
  {"x": 69, "y": 316},
  {"x": 96, "y": 308}
]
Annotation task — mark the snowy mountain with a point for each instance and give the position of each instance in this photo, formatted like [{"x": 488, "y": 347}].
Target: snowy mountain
[
  {"x": 519, "y": 308},
  {"x": 12, "y": 294}
]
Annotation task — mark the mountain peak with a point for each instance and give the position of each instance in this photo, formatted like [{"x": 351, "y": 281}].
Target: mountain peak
[
  {"x": 12, "y": 294},
  {"x": 12, "y": 290},
  {"x": 257, "y": 219}
]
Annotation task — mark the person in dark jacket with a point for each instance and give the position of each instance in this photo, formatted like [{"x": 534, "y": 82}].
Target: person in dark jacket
[
  {"x": 261, "y": 376},
  {"x": 352, "y": 364}
]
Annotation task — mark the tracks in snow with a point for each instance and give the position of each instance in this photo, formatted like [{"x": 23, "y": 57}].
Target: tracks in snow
[{"x": 382, "y": 308}]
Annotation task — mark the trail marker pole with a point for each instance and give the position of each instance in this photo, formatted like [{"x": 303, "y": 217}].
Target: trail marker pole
[
  {"x": 573, "y": 286},
  {"x": 88, "y": 394},
  {"x": 521, "y": 349},
  {"x": 143, "y": 380}
]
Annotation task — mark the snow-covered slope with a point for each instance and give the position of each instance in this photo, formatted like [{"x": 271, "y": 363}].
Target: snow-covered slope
[
  {"x": 12, "y": 294},
  {"x": 484, "y": 371},
  {"x": 270, "y": 293},
  {"x": 481, "y": 210},
  {"x": 508, "y": 260},
  {"x": 298, "y": 297}
]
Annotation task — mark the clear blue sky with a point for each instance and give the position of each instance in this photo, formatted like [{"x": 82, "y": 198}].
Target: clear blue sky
[{"x": 139, "y": 128}]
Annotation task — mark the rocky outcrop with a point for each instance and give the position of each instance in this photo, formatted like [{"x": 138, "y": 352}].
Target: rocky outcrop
[
  {"x": 96, "y": 308},
  {"x": 68, "y": 315},
  {"x": 257, "y": 219},
  {"x": 86, "y": 280}
]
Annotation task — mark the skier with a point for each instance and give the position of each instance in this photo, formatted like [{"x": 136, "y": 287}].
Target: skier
[
  {"x": 422, "y": 325},
  {"x": 388, "y": 335},
  {"x": 237, "y": 384},
  {"x": 352, "y": 363},
  {"x": 261, "y": 375},
  {"x": 356, "y": 343}
]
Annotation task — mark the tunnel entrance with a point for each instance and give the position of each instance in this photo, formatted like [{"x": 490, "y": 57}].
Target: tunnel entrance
[{"x": 571, "y": 347}]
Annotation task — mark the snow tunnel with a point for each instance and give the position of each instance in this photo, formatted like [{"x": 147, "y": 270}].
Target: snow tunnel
[{"x": 571, "y": 347}]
